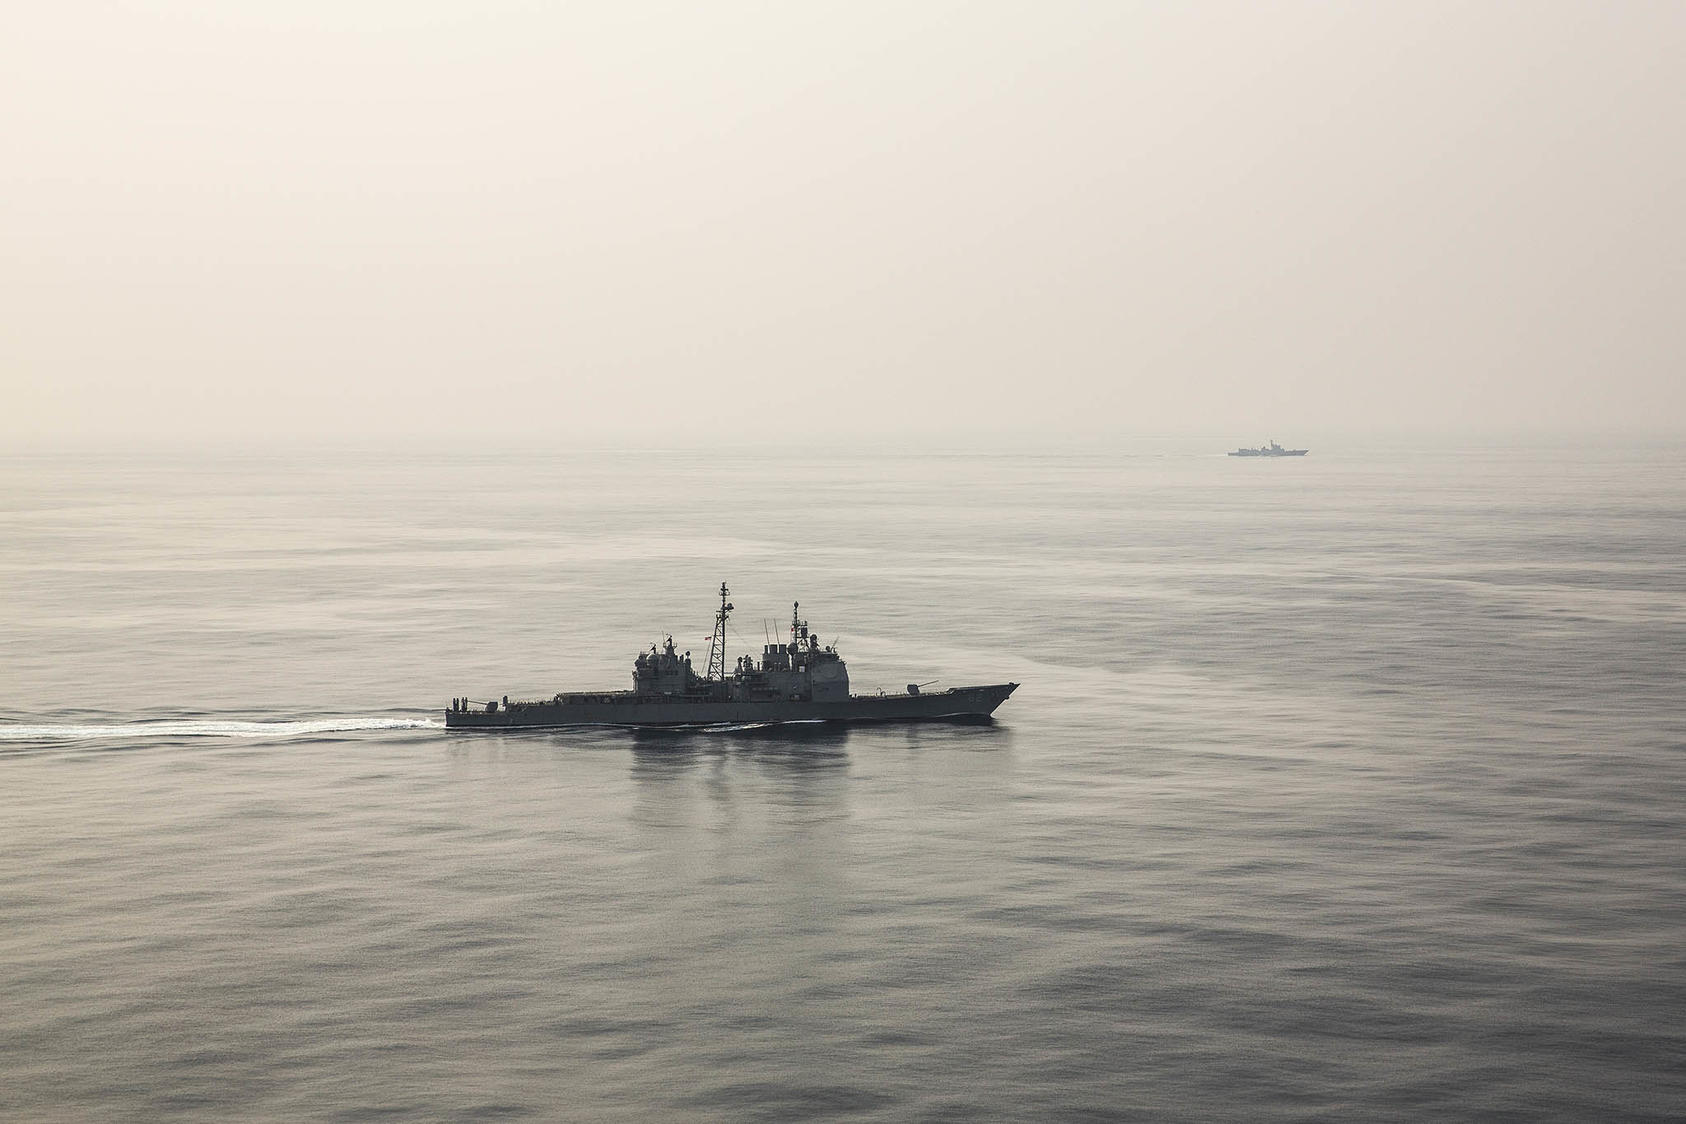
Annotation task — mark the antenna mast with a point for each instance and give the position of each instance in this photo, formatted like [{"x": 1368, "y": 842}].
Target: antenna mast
[{"x": 717, "y": 643}]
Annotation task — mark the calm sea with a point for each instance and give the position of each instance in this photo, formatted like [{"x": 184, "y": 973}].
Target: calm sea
[{"x": 1350, "y": 787}]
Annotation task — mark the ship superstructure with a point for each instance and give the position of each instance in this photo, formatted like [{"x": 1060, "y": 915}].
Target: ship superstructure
[{"x": 797, "y": 680}]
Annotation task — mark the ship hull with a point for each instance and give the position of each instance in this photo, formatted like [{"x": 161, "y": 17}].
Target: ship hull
[{"x": 960, "y": 704}]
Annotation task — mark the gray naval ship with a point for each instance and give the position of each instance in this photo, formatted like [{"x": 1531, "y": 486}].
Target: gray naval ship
[
  {"x": 798, "y": 681},
  {"x": 1270, "y": 450}
]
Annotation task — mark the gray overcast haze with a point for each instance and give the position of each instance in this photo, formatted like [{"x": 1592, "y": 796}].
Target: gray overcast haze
[{"x": 339, "y": 219}]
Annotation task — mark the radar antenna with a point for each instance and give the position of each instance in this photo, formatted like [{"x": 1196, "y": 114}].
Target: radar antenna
[{"x": 717, "y": 642}]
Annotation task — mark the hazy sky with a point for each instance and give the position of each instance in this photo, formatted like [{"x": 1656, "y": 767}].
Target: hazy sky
[{"x": 331, "y": 217}]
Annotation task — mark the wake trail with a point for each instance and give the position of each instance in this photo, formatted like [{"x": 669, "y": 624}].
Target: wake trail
[{"x": 210, "y": 728}]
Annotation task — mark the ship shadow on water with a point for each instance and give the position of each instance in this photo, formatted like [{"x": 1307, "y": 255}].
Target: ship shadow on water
[
  {"x": 802, "y": 745},
  {"x": 796, "y": 745}
]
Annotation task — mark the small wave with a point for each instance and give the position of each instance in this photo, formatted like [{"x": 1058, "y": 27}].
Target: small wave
[{"x": 212, "y": 728}]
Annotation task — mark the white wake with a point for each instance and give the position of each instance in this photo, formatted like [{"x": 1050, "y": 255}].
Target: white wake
[{"x": 212, "y": 728}]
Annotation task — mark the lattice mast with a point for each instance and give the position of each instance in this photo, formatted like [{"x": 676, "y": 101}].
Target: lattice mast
[{"x": 717, "y": 643}]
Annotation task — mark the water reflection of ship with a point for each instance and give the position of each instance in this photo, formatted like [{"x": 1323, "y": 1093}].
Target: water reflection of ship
[{"x": 819, "y": 741}]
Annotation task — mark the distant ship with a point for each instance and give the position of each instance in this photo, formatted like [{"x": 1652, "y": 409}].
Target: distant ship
[
  {"x": 798, "y": 681},
  {"x": 1270, "y": 450}
]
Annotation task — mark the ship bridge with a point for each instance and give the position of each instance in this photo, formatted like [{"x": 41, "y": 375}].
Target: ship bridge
[{"x": 664, "y": 672}]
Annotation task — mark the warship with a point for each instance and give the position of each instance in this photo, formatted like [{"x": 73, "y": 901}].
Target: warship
[
  {"x": 796, "y": 681},
  {"x": 1270, "y": 450}
]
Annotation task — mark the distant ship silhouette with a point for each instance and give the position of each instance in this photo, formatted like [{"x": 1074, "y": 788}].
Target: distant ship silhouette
[{"x": 1270, "y": 450}]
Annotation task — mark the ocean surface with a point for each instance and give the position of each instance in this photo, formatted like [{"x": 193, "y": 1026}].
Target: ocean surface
[{"x": 1350, "y": 787}]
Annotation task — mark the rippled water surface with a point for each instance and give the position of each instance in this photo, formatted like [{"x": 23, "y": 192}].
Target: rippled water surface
[{"x": 1347, "y": 787}]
